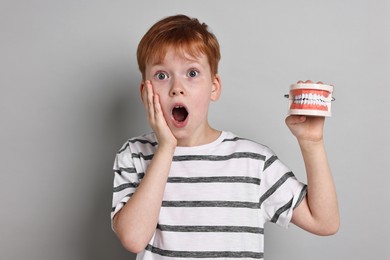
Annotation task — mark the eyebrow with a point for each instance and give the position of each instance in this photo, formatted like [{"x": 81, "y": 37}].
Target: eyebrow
[{"x": 189, "y": 62}]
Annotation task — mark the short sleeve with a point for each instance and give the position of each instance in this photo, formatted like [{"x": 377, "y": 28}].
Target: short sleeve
[
  {"x": 281, "y": 192},
  {"x": 126, "y": 179}
]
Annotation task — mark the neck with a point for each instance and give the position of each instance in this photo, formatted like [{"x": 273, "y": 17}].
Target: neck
[{"x": 206, "y": 137}]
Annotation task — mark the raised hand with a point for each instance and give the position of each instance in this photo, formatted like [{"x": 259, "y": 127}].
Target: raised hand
[{"x": 306, "y": 128}]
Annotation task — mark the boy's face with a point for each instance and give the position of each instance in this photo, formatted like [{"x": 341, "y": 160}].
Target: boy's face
[{"x": 185, "y": 87}]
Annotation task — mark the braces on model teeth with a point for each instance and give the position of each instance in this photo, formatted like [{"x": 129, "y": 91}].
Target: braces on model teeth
[{"x": 310, "y": 99}]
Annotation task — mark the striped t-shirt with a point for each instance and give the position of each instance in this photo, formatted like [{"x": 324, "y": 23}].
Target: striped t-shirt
[{"x": 217, "y": 198}]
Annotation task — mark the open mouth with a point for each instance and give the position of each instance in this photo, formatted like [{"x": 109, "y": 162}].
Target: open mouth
[{"x": 179, "y": 113}]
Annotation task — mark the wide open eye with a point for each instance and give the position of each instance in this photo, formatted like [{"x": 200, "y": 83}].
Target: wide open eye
[
  {"x": 161, "y": 75},
  {"x": 192, "y": 73}
]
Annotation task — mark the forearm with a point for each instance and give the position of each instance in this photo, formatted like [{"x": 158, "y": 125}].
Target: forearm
[
  {"x": 321, "y": 192},
  {"x": 136, "y": 222}
]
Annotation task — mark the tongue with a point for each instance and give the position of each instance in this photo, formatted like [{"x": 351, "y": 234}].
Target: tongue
[{"x": 179, "y": 114}]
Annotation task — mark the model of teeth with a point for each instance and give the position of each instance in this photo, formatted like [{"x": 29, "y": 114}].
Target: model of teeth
[{"x": 310, "y": 99}]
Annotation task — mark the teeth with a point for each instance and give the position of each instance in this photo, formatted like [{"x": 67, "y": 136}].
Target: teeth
[{"x": 310, "y": 99}]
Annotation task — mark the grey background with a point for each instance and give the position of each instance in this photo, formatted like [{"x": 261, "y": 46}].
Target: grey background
[{"x": 70, "y": 98}]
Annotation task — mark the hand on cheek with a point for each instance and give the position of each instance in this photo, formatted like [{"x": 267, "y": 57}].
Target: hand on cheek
[{"x": 155, "y": 115}]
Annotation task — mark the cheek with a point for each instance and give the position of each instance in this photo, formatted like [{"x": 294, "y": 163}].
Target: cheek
[
  {"x": 202, "y": 102},
  {"x": 162, "y": 90}
]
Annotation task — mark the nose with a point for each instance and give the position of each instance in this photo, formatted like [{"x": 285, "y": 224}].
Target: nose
[{"x": 177, "y": 88}]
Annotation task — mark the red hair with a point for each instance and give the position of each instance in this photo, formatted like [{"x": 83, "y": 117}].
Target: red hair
[{"x": 182, "y": 33}]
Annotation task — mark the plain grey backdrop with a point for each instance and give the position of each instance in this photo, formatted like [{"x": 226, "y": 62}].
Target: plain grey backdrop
[{"x": 70, "y": 98}]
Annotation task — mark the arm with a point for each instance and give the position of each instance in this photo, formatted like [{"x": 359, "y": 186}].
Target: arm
[
  {"x": 136, "y": 222},
  {"x": 318, "y": 212}
]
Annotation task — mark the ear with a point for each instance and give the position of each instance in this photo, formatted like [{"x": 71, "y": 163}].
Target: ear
[{"x": 216, "y": 88}]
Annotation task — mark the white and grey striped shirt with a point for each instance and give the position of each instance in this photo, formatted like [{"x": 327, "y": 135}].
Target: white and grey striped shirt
[{"x": 217, "y": 198}]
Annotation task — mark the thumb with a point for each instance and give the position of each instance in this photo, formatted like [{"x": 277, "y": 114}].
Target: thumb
[{"x": 292, "y": 120}]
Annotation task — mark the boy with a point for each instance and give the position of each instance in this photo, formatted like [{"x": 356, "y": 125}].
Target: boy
[{"x": 188, "y": 190}]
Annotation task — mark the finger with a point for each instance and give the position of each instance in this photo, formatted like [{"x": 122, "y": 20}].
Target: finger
[
  {"x": 157, "y": 105},
  {"x": 161, "y": 126},
  {"x": 295, "y": 119},
  {"x": 144, "y": 94},
  {"x": 320, "y": 82},
  {"x": 300, "y": 82},
  {"x": 308, "y": 81},
  {"x": 149, "y": 99}
]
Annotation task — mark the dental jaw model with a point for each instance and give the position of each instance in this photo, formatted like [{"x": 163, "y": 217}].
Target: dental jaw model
[{"x": 310, "y": 99}]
